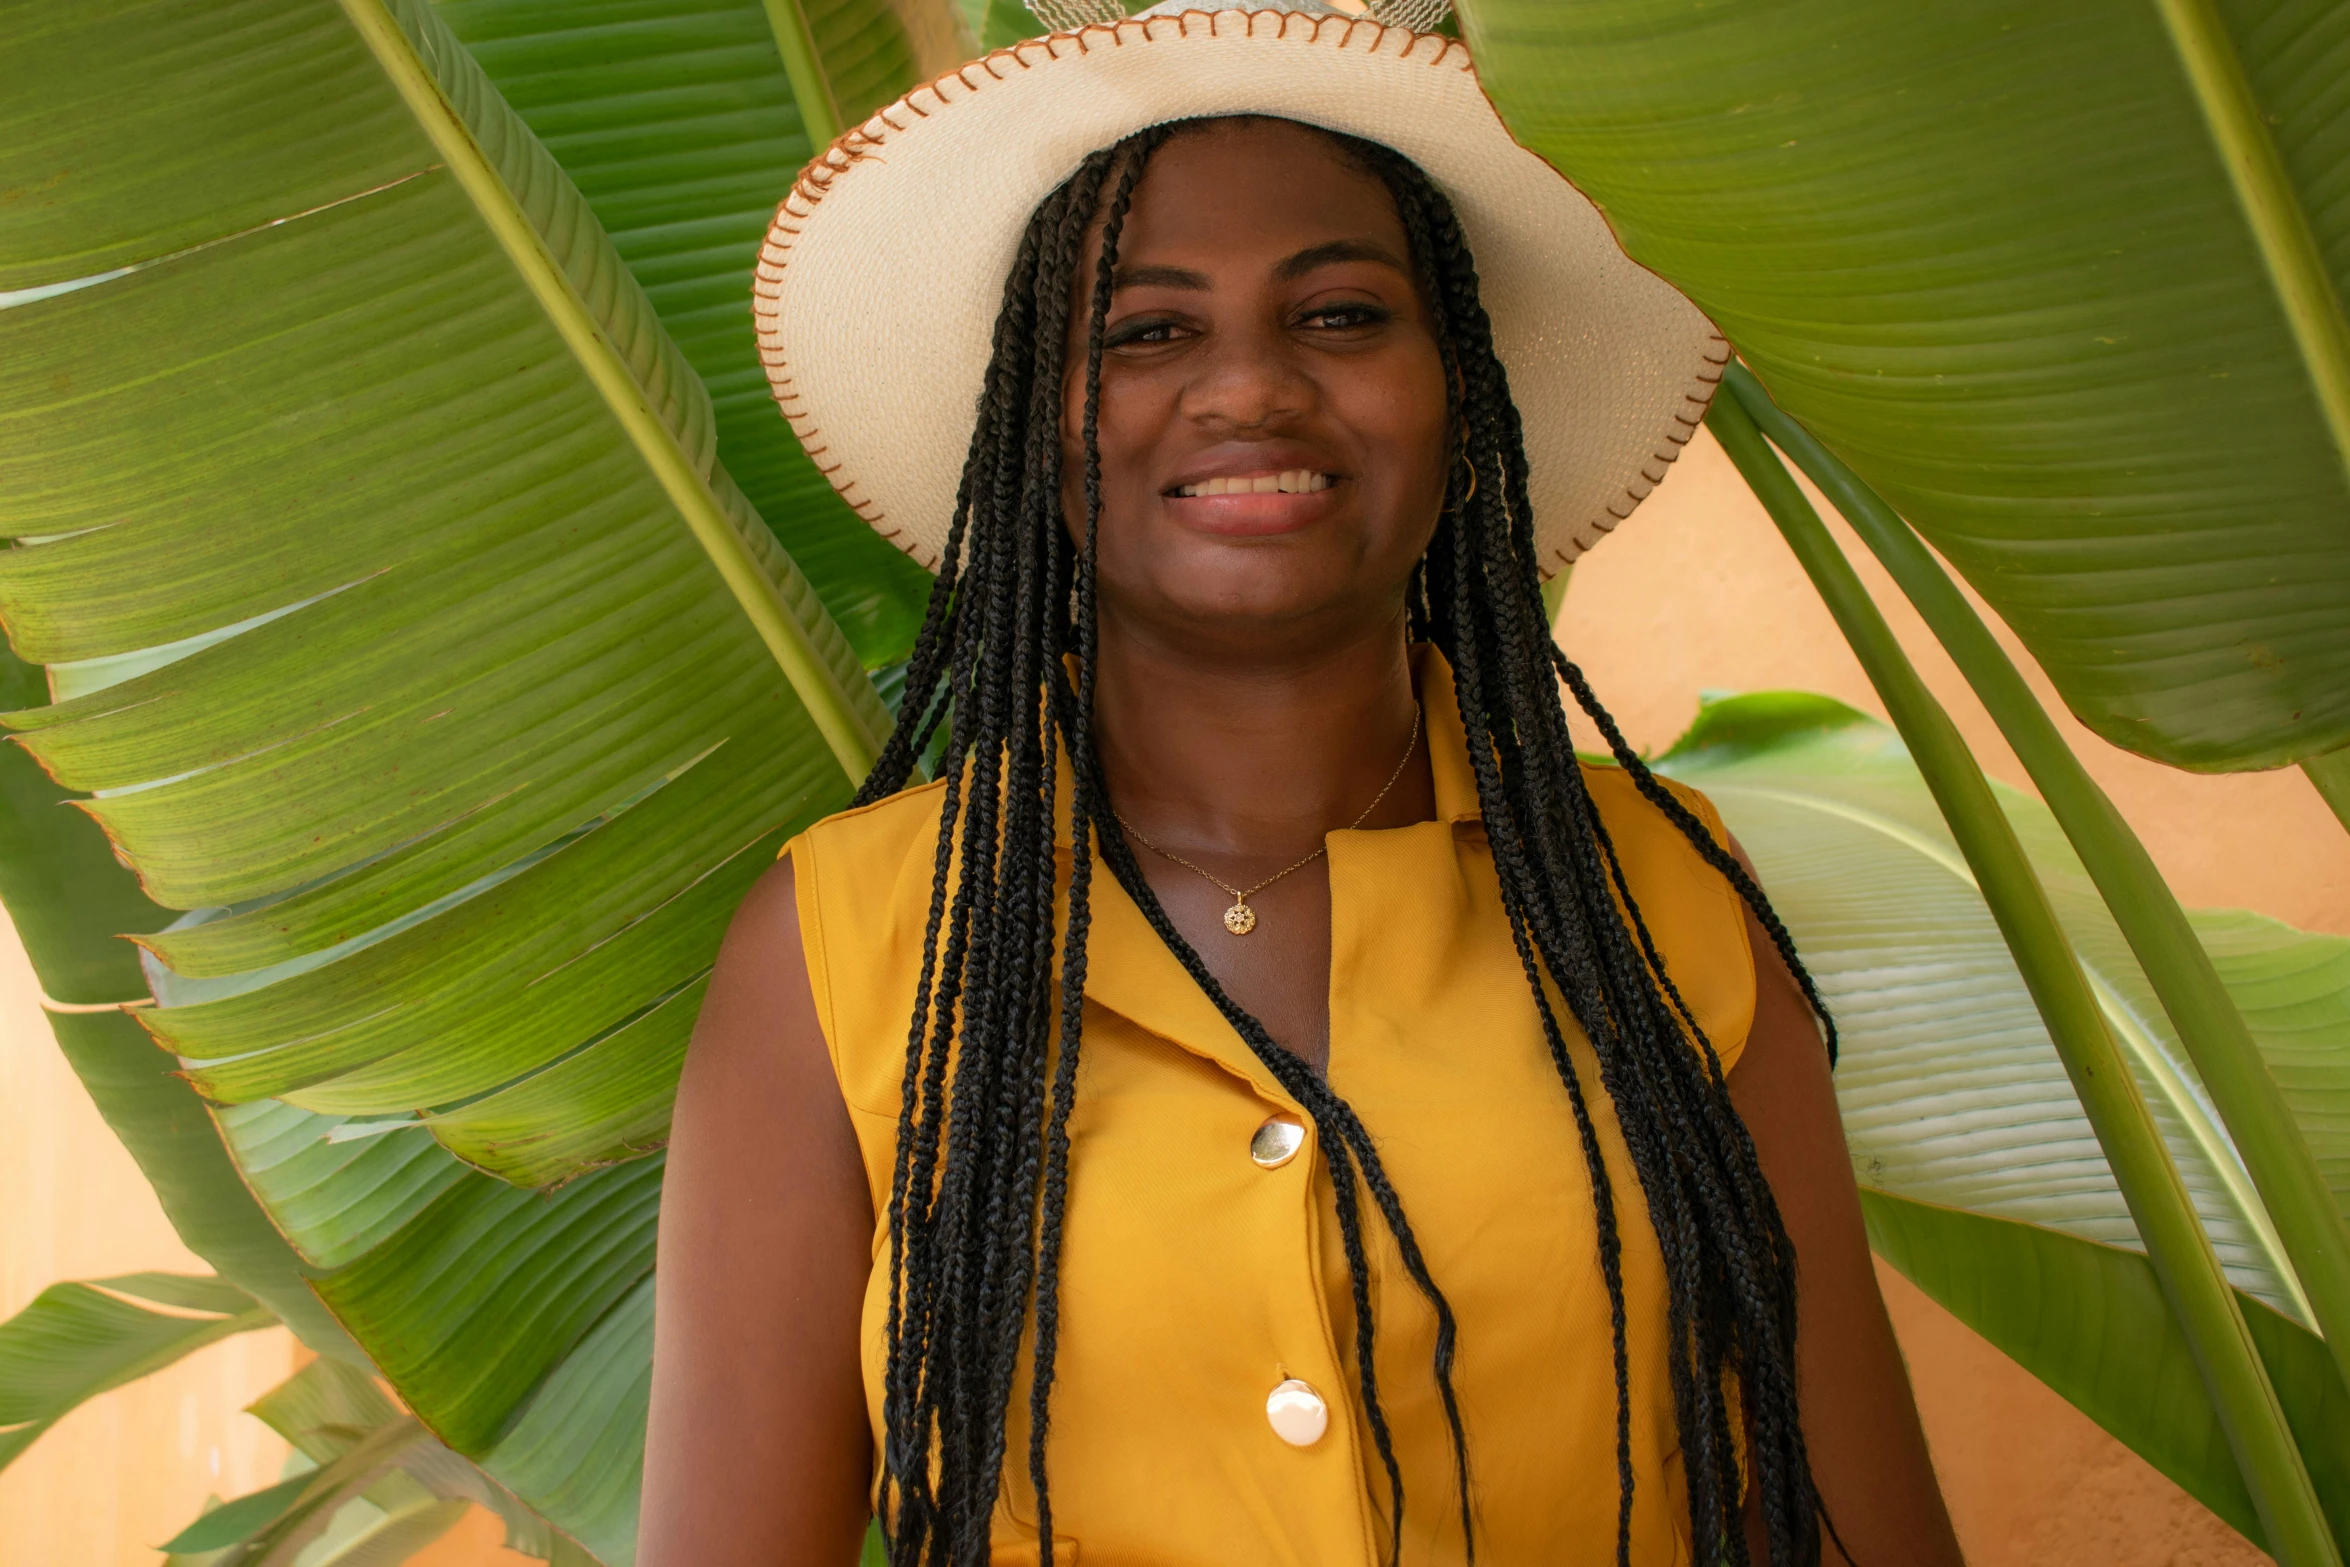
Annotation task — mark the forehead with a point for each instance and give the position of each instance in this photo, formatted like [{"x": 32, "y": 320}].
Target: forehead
[{"x": 1237, "y": 192}]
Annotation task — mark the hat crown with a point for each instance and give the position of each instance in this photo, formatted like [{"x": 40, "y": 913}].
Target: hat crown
[
  {"x": 1301, "y": 7},
  {"x": 1067, "y": 16}
]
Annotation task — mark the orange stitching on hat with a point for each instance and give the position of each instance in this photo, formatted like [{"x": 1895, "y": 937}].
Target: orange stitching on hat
[{"x": 1699, "y": 400}]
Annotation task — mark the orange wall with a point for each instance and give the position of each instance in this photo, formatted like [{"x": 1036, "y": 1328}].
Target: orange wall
[{"x": 1696, "y": 593}]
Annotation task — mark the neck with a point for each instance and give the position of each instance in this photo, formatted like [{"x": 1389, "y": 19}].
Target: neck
[{"x": 1258, "y": 757}]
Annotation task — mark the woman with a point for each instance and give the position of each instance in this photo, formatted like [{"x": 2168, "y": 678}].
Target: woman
[{"x": 1418, "y": 1146}]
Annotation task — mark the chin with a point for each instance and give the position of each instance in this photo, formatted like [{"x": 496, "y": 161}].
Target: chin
[
  {"x": 1313, "y": 586},
  {"x": 1270, "y": 600}
]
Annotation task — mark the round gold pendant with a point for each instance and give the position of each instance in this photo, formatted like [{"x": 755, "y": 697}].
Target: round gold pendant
[{"x": 1240, "y": 919}]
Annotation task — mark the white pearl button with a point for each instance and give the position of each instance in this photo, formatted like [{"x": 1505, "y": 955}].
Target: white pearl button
[
  {"x": 1275, "y": 1144},
  {"x": 1297, "y": 1414}
]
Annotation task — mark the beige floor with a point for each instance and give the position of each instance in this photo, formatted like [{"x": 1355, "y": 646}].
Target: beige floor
[{"x": 1696, "y": 594}]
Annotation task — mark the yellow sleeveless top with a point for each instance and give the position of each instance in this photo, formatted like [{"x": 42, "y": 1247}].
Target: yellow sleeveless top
[{"x": 1194, "y": 1281}]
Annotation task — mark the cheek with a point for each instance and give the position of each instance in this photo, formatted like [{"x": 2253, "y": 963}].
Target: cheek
[
  {"x": 1401, "y": 416},
  {"x": 1126, "y": 422}
]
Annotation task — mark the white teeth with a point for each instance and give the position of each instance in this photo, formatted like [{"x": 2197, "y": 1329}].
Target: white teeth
[{"x": 1290, "y": 481}]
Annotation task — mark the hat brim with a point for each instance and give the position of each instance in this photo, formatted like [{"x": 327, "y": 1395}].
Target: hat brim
[{"x": 878, "y": 286}]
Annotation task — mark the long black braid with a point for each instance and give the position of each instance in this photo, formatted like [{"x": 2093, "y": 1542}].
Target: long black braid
[{"x": 980, "y": 1183}]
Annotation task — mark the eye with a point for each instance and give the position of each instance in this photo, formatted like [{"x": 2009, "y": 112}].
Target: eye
[
  {"x": 1345, "y": 316},
  {"x": 1141, "y": 332}
]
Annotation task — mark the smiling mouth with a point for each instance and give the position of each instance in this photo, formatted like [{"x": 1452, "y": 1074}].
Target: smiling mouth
[{"x": 1290, "y": 481}]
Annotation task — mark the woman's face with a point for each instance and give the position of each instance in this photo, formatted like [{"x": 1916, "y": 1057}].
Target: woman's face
[{"x": 1273, "y": 425}]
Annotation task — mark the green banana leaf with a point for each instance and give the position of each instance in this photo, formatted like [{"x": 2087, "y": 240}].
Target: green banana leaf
[
  {"x": 1979, "y": 1172},
  {"x": 1950, "y": 1089},
  {"x": 679, "y": 127},
  {"x": 226, "y": 1528},
  {"x": 299, "y": 1511},
  {"x": 389, "y": 1540},
  {"x": 2294, "y": 989},
  {"x": 408, "y": 632},
  {"x": 76, "y": 1341},
  {"x": 1991, "y": 253},
  {"x": 994, "y": 24},
  {"x": 67, "y": 897},
  {"x": 327, "y": 1411},
  {"x": 2091, "y": 1322}
]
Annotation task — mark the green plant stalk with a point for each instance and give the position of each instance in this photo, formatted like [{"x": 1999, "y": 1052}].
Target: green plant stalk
[
  {"x": 2278, "y": 1158},
  {"x": 828, "y": 707},
  {"x": 2331, "y": 774},
  {"x": 2181, "y": 1253},
  {"x": 811, "y": 89},
  {"x": 2296, "y": 268}
]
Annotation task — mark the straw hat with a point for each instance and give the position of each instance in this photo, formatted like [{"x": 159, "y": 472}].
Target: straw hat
[{"x": 878, "y": 286}]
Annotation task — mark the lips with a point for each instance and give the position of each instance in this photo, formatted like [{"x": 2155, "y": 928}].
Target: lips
[
  {"x": 1253, "y": 505},
  {"x": 1286, "y": 481}
]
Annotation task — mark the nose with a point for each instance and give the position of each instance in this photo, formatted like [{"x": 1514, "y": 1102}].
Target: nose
[{"x": 1247, "y": 382}]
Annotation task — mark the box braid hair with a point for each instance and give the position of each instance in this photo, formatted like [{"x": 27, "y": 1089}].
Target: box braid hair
[{"x": 980, "y": 1181}]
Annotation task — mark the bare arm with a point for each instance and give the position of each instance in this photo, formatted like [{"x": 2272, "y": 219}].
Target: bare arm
[
  {"x": 1860, "y": 1423},
  {"x": 758, "y": 1453}
]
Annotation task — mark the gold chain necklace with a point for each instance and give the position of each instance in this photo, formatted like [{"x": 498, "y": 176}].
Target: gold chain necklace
[{"x": 1240, "y": 919}]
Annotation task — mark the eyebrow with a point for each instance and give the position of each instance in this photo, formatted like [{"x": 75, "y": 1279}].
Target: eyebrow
[
  {"x": 1160, "y": 277},
  {"x": 1337, "y": 250},
  {"x": 1307, "y": 260}
]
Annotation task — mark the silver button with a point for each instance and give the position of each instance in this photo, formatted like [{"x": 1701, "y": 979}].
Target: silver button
[
  {"x": 1297, "y": 1414},
  {"x": 1277, "y": 1142}
]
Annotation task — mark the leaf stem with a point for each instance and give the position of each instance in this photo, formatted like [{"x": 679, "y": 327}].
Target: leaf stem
[
  {"x": 2331, "y": 774},
  {"x": 2272, "y": 208},
  {"x": 811, "y": 89},
  {"x": 2199, "y": 1294},
  {"x": 2300, "y": 1204},
  {"x": 828, "y": 706}
]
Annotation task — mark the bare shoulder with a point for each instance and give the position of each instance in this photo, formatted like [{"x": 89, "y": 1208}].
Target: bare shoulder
[
  {"x": 756, "y": 1449},
  {"x": 762, "y": 967},
  {"x": 758, "y": 1098}
]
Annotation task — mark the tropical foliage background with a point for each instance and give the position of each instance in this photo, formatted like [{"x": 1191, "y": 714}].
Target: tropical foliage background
[{"x": 429, "y": 631}]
